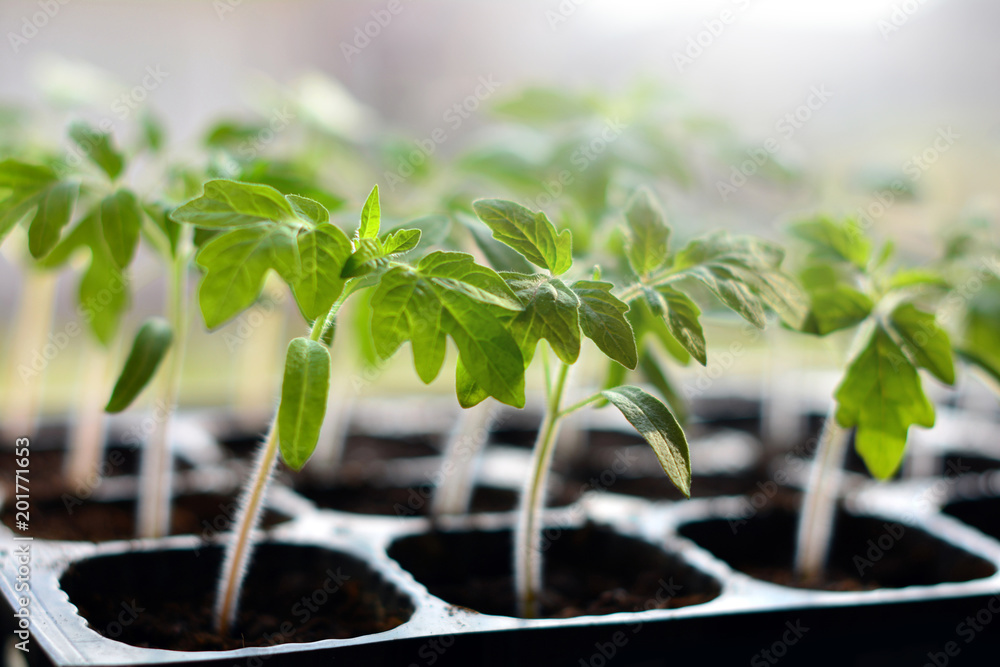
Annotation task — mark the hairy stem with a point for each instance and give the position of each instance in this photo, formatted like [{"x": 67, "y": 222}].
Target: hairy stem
[
  {"x": 156, "y": 471},
  {"x": 528, "y": 535},
  {"x": 240, "y": 547},
  {"x": 465, "y": 443},
  {"x": 815, "y": 527}
]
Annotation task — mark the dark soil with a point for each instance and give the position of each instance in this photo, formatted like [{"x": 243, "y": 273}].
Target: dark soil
[
  {"x": 47, "y": 459},
  {"x": 588, "y": 571},
  {"x": 204, "y": 514},
  {"x": 395, "y": 500},
  {"x": 163, "y": 599},
  {"x": 867, "y": 553},
  {"x": 358, "y": 449}
]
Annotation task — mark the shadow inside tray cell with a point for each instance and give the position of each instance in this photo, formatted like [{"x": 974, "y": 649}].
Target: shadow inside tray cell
[
  {"x": 588, "y": 571},
  {"x": 293, "y": 593},
  {"x": 75, "y": 519},
  {"x": 867, "y": 553}
]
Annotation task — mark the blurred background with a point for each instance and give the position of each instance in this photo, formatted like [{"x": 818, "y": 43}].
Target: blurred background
[{"x": 742, "y": 114}]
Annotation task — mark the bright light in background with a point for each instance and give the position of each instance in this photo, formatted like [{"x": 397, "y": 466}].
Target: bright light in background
[{"x": 782, "y": 14}]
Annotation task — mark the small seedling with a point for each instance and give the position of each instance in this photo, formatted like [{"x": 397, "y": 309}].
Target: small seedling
[
  {"x": 881, "y": 395},
  {"x": 744, "y": 273},
  {"x": 440, "y": 295}
]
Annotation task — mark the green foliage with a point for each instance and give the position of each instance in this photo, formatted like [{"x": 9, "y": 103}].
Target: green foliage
[
  {"x": 98, "y": 148},
  {"x": 303, "y": 400},
  {"x": 448, "y": 294},
  {"x": 881, "y": 393},
  {"x": 659, "y": 428},
  {"x": 530, "y": 234},
  {"x": 151, "y": 344}
]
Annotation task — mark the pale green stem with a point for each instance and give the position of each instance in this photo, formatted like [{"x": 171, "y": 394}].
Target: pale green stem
[
  {"x": 528, "y": 534},
  {"x": 819, "y": 504},
  {"x": 89, "y": 428},
  {"x": 239, "y": 547},
  {"x": 156, "y": 471}
]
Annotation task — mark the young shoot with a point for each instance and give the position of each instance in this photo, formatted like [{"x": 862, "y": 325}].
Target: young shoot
[
  {"x": 444, "y": 294},
  {"x": 881, "y": 395},
  {"x": 744, "y": 273}
]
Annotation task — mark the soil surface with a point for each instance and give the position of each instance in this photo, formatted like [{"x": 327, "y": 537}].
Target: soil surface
[
  {"x": 867, "y": 552},
  {"x": 588, "y": 571},
  {"x": 163, "y": 599},
  {"x": 394, "y": 500},
  {"x": 204, "y": 514}
]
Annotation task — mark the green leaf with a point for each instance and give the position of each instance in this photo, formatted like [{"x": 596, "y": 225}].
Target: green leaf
[
  {"x": 731, "y": 290},
  {"x": 152, "y": 132},
  {"x": 881, "y": 395},
  {"x": 309, "y": 209},
  {"x": 448, "y": 294},
  {"x": 400, "y": 241},
  {"x": 303, "y": 400},
  {"x": 14, "y": 208},
  {"x": 500, "y": 256},
  {"x": 433, "y": 228},
  {"x": 23, "y": 177},
  {"x": 469, "y": 393},
  {"x": 322, "y": 252},
  {"x": 602, "y": 317},
  {"x": 530, "y": 234},
  {"x": 682, "y": 321},
  {"x": 236, "y": 264},
  {"x": 647, "y": 234},
  {"x": 97, "y": 146},
  {"x": 55, "y": 210},
  {"x": 368, "y": 256},
  {"x": 648, "y": 315},
  {"x": 371, "y": 216},
  {"x": 724, "y": 262},
  {"x": 148, "y": 349},
  {"x": 228, "y": 203},
  {"x": 836, "y": 308},
  {"x": 103, "y": 295},
  {"x": 659, "y": 428},
  {"x": 926, "y": 342},
  {"x": 86, "y": 233},
  {"x": 843, "y": 241},
  {"x": 121, "y": 222},
  {"x": 916, "y": 278},
  {"x": 551, "y": 311}
]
